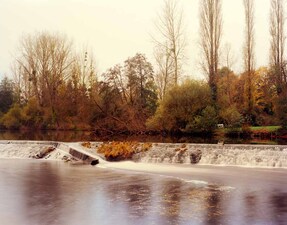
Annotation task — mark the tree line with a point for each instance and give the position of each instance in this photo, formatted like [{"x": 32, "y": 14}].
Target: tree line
[{"x": 53, "y": 87}]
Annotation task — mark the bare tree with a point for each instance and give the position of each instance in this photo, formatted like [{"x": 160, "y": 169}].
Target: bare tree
[
  {"x": 84, "y": 69},
  {"x": 115, "y": 78},
  {"x": 248, "y": 50},
  {"x": 163, "y": 77},
  {"x": 170, "y": 45},
  {"x": 22, "y": 84},
  {"x": 229, "y": 58},
  {"x": 210, "y": 40},
  {"x": 45, "y": 59},
  {"x": 277, "y": 22},
  {"x": 277, "y": 61}
]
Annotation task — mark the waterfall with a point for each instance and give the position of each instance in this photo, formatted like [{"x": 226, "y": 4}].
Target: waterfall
[{"x": 212, "y": 154}]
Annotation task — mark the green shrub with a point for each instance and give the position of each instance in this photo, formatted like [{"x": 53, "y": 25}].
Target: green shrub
[
  {"x": 206, "y": 122},
  {"x": 180, "y": 106},
  {"x": 231, "y": 117},
  {"x": 33, "y": 115},
  {"x": 13, "y": 118}
]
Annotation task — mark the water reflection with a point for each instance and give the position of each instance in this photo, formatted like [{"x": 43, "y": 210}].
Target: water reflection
[
  {"x": 42, "y": 193},
  {"x": 56, "y": 193},
  {"x": 214, "y": 211},
  {"x": 139, "y": 199},
  {"x": 73, "y": 136},
  {"x": 251, "y": 202},
  {"x": 135, "y": 192},
  {"x": 48, "y": 135},
  {"x": 279, "y": 202},
  {"x": 171, "y": 200}
]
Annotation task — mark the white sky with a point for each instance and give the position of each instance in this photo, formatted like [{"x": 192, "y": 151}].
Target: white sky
[{"x": 117, "y": 29}]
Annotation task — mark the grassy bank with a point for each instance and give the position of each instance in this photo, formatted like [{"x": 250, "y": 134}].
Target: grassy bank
[
  {"x": 265, "y": 129},
  {"x": 258, "y": 131}
]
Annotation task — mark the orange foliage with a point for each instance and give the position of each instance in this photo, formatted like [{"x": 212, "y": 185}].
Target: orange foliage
[
  {"x": 87, "y": 144},
  {"x": 115, "y": 151}
]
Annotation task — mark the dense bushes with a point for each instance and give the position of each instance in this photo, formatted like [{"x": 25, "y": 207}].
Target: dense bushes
[
  {"x": 13, "y": 118},
  {"x": 27, "y": 116},
  {"x": 185, "y": 108},
  {"x": 231, "y": 117}
]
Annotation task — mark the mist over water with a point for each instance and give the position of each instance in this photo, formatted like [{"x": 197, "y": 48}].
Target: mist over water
[{"x": 41, "y": 192}]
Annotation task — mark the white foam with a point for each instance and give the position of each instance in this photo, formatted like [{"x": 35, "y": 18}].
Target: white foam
[
  {"x": 102, "y": 167},
  {"x": 220, "y": 155},
  {"x": 197, "y": 182}
]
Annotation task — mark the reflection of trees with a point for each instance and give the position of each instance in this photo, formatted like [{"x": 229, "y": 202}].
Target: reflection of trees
[
  {"x": 43, "y": 193},
  {"x": 279, "y": 202},
  {"x": 135, "y": 191},
  {"x": 47, "y": 135},
  {"x": 171, "y": 199},
  {"x": 214, "y": 211},
  {"x": 251, "y": 207},
  {"x": 138, "y": 198}
]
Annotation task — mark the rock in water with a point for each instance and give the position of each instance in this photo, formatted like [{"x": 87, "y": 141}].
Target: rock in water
[
  {"x": 195, "y": 156},
  {"x": 95, "y": 162}
]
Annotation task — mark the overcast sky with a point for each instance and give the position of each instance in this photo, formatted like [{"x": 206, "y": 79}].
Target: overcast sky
[{"x": 117, "y": 29}]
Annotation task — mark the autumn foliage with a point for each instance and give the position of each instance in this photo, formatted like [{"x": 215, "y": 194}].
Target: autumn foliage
[
  {"x": 115, "y": 151},
  {"x": 64, "y": 91}
]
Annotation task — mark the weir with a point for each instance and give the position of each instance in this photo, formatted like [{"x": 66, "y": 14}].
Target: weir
[
  {"x": 202, "y": 154},
  {"x": 78, "y": 153},
  {"x": 45, "y": 150},
  {"x": 216, "y": 154}
]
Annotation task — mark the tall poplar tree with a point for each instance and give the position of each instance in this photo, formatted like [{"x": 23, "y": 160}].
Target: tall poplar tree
[
  {"x": 248, "y": 52},
  {"x": 210, "y": 40}
]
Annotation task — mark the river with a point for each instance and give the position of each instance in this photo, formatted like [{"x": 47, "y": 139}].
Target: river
[
  {"x": 74, "y": 136},
  {"x": 49, "y": 192}
]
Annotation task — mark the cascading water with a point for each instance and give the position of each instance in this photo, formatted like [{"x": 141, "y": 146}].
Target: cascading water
[
  {"x": 204, "y": 154},
  {"x": 239, "y": 155}
]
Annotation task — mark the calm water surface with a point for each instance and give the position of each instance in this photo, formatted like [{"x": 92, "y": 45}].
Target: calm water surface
[
  {"x": 41, "y": 192},
  {"x": 73, "y": 136}
]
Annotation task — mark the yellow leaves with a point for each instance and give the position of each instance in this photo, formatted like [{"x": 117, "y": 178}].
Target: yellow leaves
[
  {"x": 87, "y": 144},
  {"x": 146, "y": 146},
  {"x": 115, "y": 151}
]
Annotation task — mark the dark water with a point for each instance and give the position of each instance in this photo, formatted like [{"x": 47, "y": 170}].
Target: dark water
[
  {"x": 41, "y": 192},
  {"x": 73, "y": 136}
]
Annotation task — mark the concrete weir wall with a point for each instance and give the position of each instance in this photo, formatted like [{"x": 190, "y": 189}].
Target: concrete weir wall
[
  {"x": 83, "y": 156},
  {"x": 210, "y": 154},
  {"x": 44, "y": 150},
  {"x": 78, "y": 153},
  {"x": 216, "y": 154}
]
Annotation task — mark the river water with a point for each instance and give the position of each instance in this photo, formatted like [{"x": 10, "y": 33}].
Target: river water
[
  {"x": 74, "y": 136},
  {"x": 49, "y": 192}
]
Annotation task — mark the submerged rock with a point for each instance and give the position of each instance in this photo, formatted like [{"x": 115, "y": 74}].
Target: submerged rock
[{"x": 195, "y": 156}]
